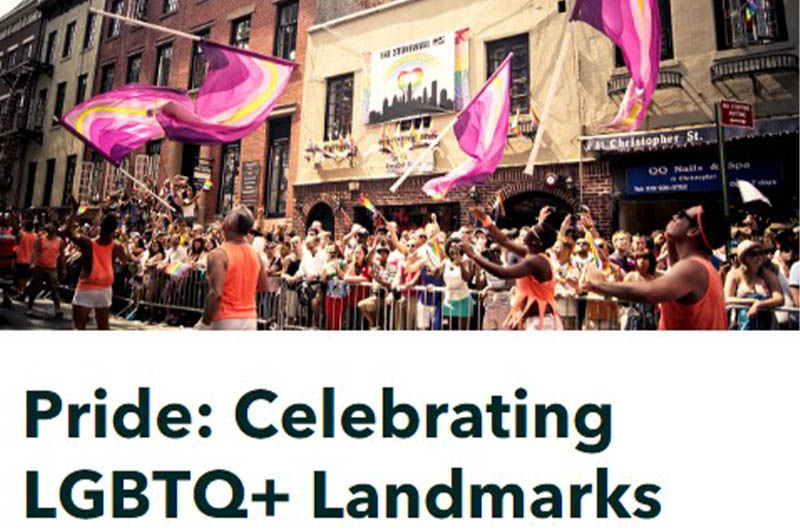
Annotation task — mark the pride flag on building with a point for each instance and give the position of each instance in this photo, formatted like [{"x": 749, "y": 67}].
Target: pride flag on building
[
  {"x": 635, "y": 27},
  {"x": 481, "y": 130}
]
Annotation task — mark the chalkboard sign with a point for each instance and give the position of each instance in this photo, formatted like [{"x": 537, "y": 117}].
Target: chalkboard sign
[{"x": 250, "y": 173}]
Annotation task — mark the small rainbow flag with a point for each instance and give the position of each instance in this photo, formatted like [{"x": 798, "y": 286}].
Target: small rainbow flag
[
  {"x": 437, "y": 249},
  {"x": 177, "y": 269},
  {"x": 208, "y": 185},
  {"x": 367, "y": 204},
  {"x": 595, "y": 254},
  {"x": 499, "y": 208},
  {"x": 82, "y": 210}
]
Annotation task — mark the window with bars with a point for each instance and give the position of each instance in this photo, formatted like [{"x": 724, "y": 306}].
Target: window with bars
[
  {"x": 114, "y": 25},
  {"x": 61, "y": 94},
  {"x": 88, "y": 35},
  {"x": 69, "y": 179},
  {"x": 68, "y": 38},
  {"x": 667, "y": 49},
  {"x": 169, "y": 6},
  {"x": 339, "y": 107},
  {"x": 163, "y": 61},
  {"x": 229, "y": 174},
  {"x": 50, "y": 50},
  {"x": 277, "y": 175},
  {"x": 107, "y": 77},
  {"x": 80, "y": 93},
  {"x": 140, "y": 9},
  {"x": 742, "y": 23},
  {"x": 199, "y": 65},
  {"x": 134, "y": 69},
  {"x": 240, "y": 32},
  {"x": 286, "y": 30},
  {"x": 496, "y": 53}
]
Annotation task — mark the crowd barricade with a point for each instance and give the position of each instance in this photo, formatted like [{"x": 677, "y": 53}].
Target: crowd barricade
[
  {"x": 350, "y": 307},
  {"x": 783, "y": 318}
]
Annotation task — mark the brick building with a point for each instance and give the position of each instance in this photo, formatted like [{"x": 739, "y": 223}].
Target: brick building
[
  {"x": 20, "y": 67},
  {"x": 261, "y": 163},
  {"x": 711, "y": 50}
]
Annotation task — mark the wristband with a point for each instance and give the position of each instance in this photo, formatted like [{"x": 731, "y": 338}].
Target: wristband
[{"x": 487, "y": 222}]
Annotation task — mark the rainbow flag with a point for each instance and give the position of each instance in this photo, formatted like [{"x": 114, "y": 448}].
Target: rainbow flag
[
  {"x": 462, "y": 69},
  {"x": 635, "y": 27},
  {"x": 208, "y": 185},
  {"x": 367, "y": 204},
  {"x": 82, "y": 210},
  {"x": 499, "y": 208},
  {"x": 482, "y": 133},
  {"x": 436, "y": 248},
  {"x": 596, "y": 261},
  {"x": 177, "y": 269}
]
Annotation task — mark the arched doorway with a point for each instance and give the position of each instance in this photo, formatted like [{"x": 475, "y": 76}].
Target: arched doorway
[
  {"x": 321, "y": 212},
  {"x": 363, "y": 217},
  {"x": 523, "y": 209}
]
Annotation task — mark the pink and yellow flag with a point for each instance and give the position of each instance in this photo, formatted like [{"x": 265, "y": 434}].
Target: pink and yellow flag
[
  {"x": 240, "y": 89},
  {"x": 481, "y": 130},
  {"x": 118, "y": 121},
  {"x": 635, "y": 27}
]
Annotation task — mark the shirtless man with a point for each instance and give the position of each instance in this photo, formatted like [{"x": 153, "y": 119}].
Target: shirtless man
[
  {"x": 97, "y": 272},
  {"x": 690, "y": 293}
]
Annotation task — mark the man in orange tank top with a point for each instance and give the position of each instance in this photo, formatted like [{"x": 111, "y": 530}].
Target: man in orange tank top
[
  {"x": 235, "y": 273},
  {"x": 48, "y": 256},
  {"x": 23, "y": 262},
  {"x": 690, "y": 294},
  {"x": 97, "y": 272}
]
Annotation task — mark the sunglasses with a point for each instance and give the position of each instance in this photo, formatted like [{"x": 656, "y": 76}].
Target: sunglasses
[{"x": 683, "y": 214}]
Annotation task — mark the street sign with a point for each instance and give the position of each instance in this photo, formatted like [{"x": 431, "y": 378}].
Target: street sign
[{"x": 736, "y": 114}]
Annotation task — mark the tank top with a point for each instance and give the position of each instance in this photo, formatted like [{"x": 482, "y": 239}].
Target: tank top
[
  {"x": 707, "y": 314},
  {"x": 456, "y": 286},
  {"x": 102, "y": 275},
  {"x": 241, "y": 281},
  {"x": 48, "y": 253},
  {"x": 531, "y": 292},
  {"x": 25, "y": 248}
]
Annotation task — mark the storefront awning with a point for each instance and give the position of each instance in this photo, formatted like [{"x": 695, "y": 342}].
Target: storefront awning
[{"x": 676, "y": 138}]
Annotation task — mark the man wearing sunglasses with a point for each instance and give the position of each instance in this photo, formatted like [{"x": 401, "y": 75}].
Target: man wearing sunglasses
[{"x": 690, "y": 294}]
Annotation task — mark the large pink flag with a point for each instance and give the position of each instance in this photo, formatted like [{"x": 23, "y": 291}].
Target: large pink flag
[
  {"x": 482, "y": 132},
  {"x": 118, "y": 121},
  {"x": 635, "y": 27},
  {"x": 239, "y": 91}
]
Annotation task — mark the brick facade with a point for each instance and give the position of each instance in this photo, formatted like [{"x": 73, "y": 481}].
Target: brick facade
[
  {"x": 344, "y": 196},
  {"x": 193, "y": 16}
]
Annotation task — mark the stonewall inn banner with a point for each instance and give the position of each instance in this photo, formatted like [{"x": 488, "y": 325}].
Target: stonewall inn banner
[{"x": 423, "y": 77}]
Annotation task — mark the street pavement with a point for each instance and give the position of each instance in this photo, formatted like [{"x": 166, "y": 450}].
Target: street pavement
[{"x": 42, "y": 318}]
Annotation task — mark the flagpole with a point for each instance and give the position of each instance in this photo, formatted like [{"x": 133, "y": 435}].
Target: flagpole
[
  {"x": 145, "y": 187},
  {"x": 144, "y": 24},
  {"x": 419, "y": 160},
  {"x": 562, "y": 55}
]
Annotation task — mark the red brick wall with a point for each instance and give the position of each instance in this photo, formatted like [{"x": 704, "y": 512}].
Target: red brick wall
[{"x": 191, "y": 16}]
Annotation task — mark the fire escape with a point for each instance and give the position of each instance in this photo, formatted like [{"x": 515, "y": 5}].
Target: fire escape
[{"x": 21, "y": 119}]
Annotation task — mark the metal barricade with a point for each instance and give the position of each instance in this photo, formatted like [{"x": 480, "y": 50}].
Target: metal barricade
[{"x": 783, "y": 318}]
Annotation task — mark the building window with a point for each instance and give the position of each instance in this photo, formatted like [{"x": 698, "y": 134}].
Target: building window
[
  {"x": 286, "y": 30},
  {"x": 140, "y": 10},
  {"x": 199, "y": 65},
  {"x": 69, "y": 178},
  {"x": 743, "y": 23},
  {"x": 114, "y": 24},
  {"x": 339, "y": 107},
  {"x": 107, "y": 78},
  {"x": 48, "y": 182},
  {"x": 80, "y": 93},
  {"x": 169, "y": 6},
  {"x": 88, "y": 35},
  {"x": 496, "y": 53},
  {"x": 240, "y": 32},
  {"x": 27, "y": 50},
  {"x": 30, "y": 184},
  {"x": 163, "y": 60},
  {"x": 50, "y": 51},
  {"x": 229, "y": 175},
  {"x": 38, "y": 113},
  {"x": 68, "y": 38},
  {"x": 134, "y": 69},
  {"x": 12, "y": 58},
  {"x": 277, "y": 175},
  {"x": 667, "y": 50},
  {"x": 61, "y": 94}
]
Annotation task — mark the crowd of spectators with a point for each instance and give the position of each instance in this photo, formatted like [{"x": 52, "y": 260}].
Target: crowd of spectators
[{"x": 420, "y": 278}]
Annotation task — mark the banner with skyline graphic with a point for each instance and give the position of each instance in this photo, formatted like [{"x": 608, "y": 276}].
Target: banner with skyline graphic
[{"x": 413, "y": 79}]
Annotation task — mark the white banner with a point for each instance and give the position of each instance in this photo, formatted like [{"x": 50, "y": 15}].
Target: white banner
[{"x": 413, "y": 79}]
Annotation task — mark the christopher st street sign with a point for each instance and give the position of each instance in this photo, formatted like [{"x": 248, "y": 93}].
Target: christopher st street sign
[{"x": 736, "y": 114}]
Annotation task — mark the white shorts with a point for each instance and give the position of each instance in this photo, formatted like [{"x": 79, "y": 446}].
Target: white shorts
[
  {"x": 234, "y": 325},
  {"x": 93, "y": 298}
]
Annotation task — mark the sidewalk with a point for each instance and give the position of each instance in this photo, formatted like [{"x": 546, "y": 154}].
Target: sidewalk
[{"x": 17, "y": 318}]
